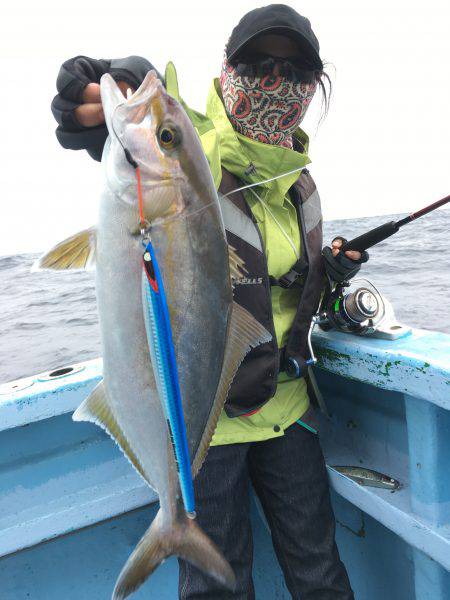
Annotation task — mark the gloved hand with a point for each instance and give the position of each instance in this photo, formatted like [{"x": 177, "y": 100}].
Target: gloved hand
[
  {"x": 77, "y": 107},
  {"x": 342, "y": 266}
]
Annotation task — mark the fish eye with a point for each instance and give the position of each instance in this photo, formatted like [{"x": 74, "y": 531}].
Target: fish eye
[{"x": 168, "y": 137}]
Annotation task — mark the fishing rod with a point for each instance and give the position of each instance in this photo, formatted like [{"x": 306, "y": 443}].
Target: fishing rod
[
  {"x": 358, "y": 307},
  {"x": 377, "y": 235}
]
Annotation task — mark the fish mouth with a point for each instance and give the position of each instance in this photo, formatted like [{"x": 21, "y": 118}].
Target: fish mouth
[
  {"x": 134, "y": 108},
  {"x": 141, "y": 114},
  {"x": 149, "y": 87}
]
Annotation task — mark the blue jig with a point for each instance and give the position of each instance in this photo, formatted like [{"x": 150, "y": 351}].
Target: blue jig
[{"x": 162, "y": 352}]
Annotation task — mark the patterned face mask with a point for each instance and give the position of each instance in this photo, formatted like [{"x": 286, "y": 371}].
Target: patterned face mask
[{"x": 268, "y": 108}]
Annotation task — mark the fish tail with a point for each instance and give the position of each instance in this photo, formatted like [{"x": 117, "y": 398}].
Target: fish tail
[{"x": 185, "y": 540}]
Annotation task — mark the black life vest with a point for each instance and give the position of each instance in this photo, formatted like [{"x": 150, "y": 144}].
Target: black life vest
[{"x": 256, "y": 380}]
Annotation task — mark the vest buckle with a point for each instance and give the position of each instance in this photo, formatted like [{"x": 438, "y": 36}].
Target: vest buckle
[
  {"x": 288, "y": 279},
  {"x": 291, "y": 277}
]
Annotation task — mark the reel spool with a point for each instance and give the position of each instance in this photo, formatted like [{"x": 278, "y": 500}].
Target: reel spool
[{"x": 357, "y": 308}]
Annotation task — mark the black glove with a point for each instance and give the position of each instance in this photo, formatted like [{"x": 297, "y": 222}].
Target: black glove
[
  {"x": 341, "y": 268},
  {"x": 73, "y": 77}
]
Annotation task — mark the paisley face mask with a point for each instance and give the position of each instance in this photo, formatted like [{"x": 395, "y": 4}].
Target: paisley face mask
[{"x": 266, "y": 108}]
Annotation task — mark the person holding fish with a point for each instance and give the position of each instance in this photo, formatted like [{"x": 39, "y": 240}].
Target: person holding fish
[{"x": 266, "y": 434}]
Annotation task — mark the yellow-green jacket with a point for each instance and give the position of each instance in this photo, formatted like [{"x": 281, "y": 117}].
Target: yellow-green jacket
[{"x": 225, "y": 147}]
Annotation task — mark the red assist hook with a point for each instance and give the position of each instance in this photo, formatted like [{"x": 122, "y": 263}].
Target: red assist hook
[{"x": 142, "y": 221}]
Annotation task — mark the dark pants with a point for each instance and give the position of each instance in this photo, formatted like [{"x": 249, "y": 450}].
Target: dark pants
[{"x": 289, "y": 476}]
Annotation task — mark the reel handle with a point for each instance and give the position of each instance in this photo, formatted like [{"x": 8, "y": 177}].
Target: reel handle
[{"x": 372, "y": 237}]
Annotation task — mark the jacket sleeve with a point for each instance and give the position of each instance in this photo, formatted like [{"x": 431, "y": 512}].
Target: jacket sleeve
[{"x": 73, "y": 77}]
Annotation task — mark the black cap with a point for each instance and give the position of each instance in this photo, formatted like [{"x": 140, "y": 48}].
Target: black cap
[{"x": 275, "y": 18}]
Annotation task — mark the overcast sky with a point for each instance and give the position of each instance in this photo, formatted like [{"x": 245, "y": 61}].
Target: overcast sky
[{"x": 383, "y": 148}]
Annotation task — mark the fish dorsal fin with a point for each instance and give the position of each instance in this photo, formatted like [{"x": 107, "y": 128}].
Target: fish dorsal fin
[
  {"x": 237, "y": 265},
  {"x": 244, "y": 333},
  {"x": 77, "y": 252},
  {"x": 96, "y": 409}
]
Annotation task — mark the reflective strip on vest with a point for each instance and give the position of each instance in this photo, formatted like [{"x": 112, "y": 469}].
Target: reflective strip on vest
[
  {"x": 312, "y": 211},
  {"x": 238, "y": 223}
]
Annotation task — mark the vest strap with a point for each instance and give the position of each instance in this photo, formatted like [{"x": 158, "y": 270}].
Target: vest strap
[
  {"x": 312, "y": 211},
  {"x": 239, "y": 223}
]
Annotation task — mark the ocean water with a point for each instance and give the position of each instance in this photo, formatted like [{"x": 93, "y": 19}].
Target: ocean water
[{"x": 49, "y": 319}]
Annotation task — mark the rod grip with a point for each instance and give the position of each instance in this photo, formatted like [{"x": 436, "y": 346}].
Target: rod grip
[{"x": 372, "y": 237}]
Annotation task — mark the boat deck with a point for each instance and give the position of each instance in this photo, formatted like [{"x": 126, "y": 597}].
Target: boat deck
[{"x": 69, "y": 486}]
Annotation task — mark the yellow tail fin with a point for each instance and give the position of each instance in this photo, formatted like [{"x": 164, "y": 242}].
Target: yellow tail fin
[{"x": 185, "y": 540}]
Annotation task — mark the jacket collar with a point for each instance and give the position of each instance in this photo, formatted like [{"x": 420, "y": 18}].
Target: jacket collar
[{"x": 253, "y": 161}]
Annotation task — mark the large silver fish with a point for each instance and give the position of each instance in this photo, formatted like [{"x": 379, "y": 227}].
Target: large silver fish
[{"x": 211, "y": 333}]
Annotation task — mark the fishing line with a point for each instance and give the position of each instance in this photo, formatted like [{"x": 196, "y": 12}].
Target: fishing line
[
  {"x": 128, "y": 154},
  {"x": 250, "y": 185},
  {"x": 280, "y": 226},
  {"x": 162, "y": 221},
  {"x": 143, "y": 223}
]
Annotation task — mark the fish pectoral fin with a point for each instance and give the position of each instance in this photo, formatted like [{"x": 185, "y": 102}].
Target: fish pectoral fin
[
  {"x": 244, "y": 333},
  {"x": 77, "y": 252},
  {"x": 96, "y": 409},
  {"x": 237, "y": 265},
  {"x": 186, "y": 540}
]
